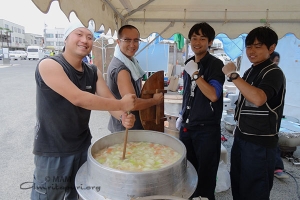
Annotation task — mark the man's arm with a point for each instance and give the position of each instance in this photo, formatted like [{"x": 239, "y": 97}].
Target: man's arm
[
  {"x": 208, "y": 90},
  {"x": 125, "y": 87},
  {"x": 253, "y": 94},
  {"x": 211, "y": 89},
  {"x": 55, "y": 77},
  {"x": 103, "y": 91}
]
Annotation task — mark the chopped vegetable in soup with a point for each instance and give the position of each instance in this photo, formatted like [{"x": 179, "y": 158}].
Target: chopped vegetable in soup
[{"x": 140, "y": 156}]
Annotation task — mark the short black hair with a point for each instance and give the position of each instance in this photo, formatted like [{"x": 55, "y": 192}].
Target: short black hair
[
  {"x": 273, "y": 55},
  {"x": 206, "y": 30},
  {"x": 263, "y": 34},
  {"x": 128, "y": 26}
]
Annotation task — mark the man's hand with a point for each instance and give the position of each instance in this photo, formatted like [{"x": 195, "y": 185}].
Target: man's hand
[
  {"x": 128, "y": 120},
  {"x": 178, "y": 122},
  {"x": 191, "y": 67},
  {"x": 159, "y": 98},
  {"x": 229, "y": 68},
  {"x": 128, "y": 102}
]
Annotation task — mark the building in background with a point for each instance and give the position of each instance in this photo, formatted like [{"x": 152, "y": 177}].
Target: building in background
[
  {"x": 32, "y": 39},
  {"x": 12, "y": 36},
  {"x": 53, "y": 39}
]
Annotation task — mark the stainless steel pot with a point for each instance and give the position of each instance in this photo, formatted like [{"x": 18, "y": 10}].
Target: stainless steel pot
[
  {"x": 172, "y": 107},
  {"x": 179, "y": 179},
  {"x": 230, "y": 124},
  {"x": 174, "y": 133}
]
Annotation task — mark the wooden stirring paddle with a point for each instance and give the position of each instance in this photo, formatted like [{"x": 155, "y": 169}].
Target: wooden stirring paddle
[{"x": 125, "y": 141}]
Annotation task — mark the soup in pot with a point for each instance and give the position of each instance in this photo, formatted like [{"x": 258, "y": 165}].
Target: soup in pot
[{"x": 140, "y": 156}]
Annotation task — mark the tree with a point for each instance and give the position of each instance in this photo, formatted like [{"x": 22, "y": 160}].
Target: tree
[
  {"x": 1, "y": 36},
  {"x": 8, "y": 39}
]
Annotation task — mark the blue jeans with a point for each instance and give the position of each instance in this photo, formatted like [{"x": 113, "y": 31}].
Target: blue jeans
[
  {"x": 252, "y": 170},
  {"x": 54, "y": 177},
  {"x": 279, "y": 162},
  {"x": 203, "y": 151}
]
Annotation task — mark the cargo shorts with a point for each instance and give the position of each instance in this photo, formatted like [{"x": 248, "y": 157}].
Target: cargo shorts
[{"x": 54, "y": 177}]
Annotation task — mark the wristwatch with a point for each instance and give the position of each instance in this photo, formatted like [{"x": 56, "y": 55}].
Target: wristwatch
[
  {"x": 233, "y": 76},
  {"x": 195, "y": 76}
]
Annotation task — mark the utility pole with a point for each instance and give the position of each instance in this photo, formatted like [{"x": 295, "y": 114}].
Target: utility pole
[
  {"x": 1, "y": 37},
  {"x": 6, "y": 50},
  {"x": 45, "y": 32}
]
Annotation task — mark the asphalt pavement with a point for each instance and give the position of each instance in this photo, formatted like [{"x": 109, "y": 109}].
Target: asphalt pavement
[{"x": 17, "y": 121}]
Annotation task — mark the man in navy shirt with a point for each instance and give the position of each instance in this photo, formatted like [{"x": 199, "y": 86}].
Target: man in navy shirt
[{"x": 202, "y": 108}]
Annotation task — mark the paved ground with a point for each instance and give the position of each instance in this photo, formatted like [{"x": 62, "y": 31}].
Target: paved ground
[
  {"x": 17, "y": 120},
  {"x": 285, "y": 189}
]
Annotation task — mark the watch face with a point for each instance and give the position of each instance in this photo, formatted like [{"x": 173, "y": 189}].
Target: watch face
[
  {"x": 234, "y": 76},
  {"x": 195, "y": 77}
]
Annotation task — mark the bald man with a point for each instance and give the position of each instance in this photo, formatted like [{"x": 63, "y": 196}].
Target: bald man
[{"x": 67, "y": 90}]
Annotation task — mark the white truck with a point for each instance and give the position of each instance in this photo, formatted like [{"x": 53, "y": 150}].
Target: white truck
[{"x": 35, "y": 52}]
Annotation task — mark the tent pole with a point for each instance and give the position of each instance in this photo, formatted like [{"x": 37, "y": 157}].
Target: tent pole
[
  {"x": 186, "y": 49},
  {"x": 175, "y": 58}
]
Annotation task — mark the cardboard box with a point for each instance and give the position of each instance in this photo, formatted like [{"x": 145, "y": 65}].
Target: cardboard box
[{"x": 173, "y": 85}]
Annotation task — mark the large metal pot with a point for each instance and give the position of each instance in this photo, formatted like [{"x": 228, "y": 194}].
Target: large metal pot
[
  {"x": 230, "y": 124},
  {"x": 179, "y": 179},
  {"x": 173, "y": 106}
]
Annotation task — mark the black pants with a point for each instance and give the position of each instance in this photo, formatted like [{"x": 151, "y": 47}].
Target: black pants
[
  {"x": 252, "y": 170},
  {"x": 203, "y": 151},
  {"x": 279, "y": 162}
]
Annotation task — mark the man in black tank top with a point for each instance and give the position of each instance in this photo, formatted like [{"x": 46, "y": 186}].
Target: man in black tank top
[{"x": 67, "y": 90}]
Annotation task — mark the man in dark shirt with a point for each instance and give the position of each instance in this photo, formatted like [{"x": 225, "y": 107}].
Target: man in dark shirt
[
  {"x": 202, "y": 107},
  {"x": 258, "y": 113},
  {"x": 124, "y": 76},
  {"x": 65, "y": 96}
]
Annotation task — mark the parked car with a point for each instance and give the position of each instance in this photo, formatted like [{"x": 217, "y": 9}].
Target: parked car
[
  {"x": 35, "y": 52},
  {"x": 46, "y": 53},
  {"x": 18, "y": 55},
  {"x": 166, "y": 81}
]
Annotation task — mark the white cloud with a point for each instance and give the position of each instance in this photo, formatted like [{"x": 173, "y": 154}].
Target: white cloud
[{"x": 25, "y": 13}]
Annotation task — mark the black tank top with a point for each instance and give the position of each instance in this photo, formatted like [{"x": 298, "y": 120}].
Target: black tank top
[{"x": 62, "y": 128}]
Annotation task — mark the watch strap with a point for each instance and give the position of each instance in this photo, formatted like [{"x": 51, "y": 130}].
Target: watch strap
[{"x": 230, "y": 79}]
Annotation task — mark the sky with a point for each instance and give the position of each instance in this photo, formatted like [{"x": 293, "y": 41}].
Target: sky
[{"x": 25, "y": 13}]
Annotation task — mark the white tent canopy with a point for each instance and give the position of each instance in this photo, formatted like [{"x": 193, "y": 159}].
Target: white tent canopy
[
  {"x": 166, "y": 17},
  {"x": 231, "y": 17}
]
